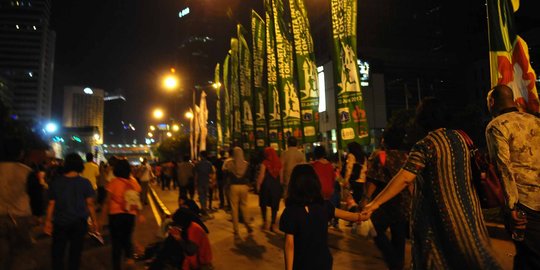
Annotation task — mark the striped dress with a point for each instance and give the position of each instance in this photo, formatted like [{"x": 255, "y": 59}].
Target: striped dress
[{"x": 448, "y": 229}]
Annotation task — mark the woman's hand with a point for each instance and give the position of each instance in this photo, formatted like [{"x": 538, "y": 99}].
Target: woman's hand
[{"x": 368, "y": 210}]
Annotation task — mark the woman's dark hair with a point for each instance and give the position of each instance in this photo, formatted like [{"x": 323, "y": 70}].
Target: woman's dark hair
[
  {"x": 122, "y": 169},
  {"x": 431, "y": 114},
  {"x": 304, "y": 186},
  {"x": 356, "y": 150},
  {"x": 73, "y": 163},
  {"x": 319, "y": 152},
  {"x": 393, "y": 138}
]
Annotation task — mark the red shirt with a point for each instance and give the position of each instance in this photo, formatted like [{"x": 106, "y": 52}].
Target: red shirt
[
  {"x": 325, "y": 171},
  {"x": 203, "y": 256}
]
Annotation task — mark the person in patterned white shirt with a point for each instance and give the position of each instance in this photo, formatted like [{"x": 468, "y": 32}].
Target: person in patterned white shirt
[{"x": 513, "y": 140}]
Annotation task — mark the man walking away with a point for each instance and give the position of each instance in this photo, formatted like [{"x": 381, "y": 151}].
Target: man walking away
[
  {"x": 91, "y": 170},
  {"x": 203, "y": 172},
  {"x": 513, "y": 140},
  {"x": 185, "y": 177},
  {"x": 146, "y": 176},
  {"x": 218, "y": 164},
  {"x": 290, "y": 158}
]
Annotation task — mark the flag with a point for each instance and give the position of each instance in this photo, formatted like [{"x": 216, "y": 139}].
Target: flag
[
  {"x": 246, "y": 97},
  {"x": 197, "y": 130},
  {"x": 351, "y": 115},
  {"x": 258, "y": 35},
  {"x": 509, "y": 55},
  {"x": 217, "y": 85},
  {"x": 275, "y": 128},
  {"x": 192, "y": 134},
  {"x": 203, "y": 119},
  {"x": 308, "y": 82},
  {"x": 289, "y": 101},
  {"x": 226, "y": 104},
  {"x": 235, "y": 94}
]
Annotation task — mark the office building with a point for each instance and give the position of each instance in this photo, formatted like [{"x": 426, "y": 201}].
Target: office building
[
  {"x": 27, "y": 47},
  {"x": 83, "y": 107}
]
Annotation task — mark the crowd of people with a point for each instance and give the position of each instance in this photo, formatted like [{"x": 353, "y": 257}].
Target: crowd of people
[{"x": 425, "y": 194}]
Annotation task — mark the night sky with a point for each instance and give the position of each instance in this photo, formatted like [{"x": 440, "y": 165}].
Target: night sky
[{"x": 129, "y": 44}]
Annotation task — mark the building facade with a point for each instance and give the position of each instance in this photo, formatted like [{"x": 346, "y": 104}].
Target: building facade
[
  {"x": 27, "y": 48},
  {"x": 84, "y": 107}
]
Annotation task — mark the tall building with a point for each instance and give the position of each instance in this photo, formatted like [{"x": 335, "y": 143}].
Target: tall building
[
  {"x": 27, "y": 47},
  {"x": 116, "y": 128},
  {"x": 83, "y": 107}
]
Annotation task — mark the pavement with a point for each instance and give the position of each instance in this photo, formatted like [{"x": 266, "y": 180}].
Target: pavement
[{"x": 262, "y": 251}]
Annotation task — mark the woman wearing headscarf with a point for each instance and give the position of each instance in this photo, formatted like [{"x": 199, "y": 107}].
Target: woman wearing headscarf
[
  {"x": 269, "y": 186},
  {"x": 237, "y": 172}
]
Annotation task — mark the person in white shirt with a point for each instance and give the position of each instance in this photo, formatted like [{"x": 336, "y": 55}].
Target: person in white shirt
[
  {"x": 91, "y": 170},
  {"x": 146, "y": 176}
]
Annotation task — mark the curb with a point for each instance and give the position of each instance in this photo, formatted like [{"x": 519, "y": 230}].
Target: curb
[{"x": 161, "y": 206}]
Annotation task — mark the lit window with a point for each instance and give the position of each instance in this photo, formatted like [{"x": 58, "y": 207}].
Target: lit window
[{"x": 322, "y": 89}]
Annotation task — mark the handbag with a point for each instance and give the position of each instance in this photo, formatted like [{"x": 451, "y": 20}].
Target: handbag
[{"x": 484, "y": 176}]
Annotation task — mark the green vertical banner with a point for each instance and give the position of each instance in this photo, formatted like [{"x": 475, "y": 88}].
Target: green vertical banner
[
  {"x": 290, "y": 103},
  {"x": 306, "y": 67},
  {"x": 258, "y": 34},
  {"x": 352, "y": 123},
  {"x": 217, "y": 86},
  {"x": 275, "y": 128},
  {"x": 246, "y": 97},
  {"x": 226, "y": 126},
  {"x": 235, "y": 94}
]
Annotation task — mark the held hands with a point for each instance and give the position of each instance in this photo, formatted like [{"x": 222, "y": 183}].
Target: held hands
[{"x": 368, "y": 210}]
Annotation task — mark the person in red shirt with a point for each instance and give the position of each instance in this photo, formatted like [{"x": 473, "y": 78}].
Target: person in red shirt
[
  {"x": 325, "y": 172},
  {"x": 194, "y": 231}
]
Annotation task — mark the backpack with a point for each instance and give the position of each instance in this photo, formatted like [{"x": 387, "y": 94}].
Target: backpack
[
  {"x": 485, "y": 179},
  {"x": 132, "y": 198}
]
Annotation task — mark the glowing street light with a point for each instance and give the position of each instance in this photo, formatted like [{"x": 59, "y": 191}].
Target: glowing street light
[
  {"x": 170, "y": 82},
  {"x": 152, "y": 128},
  {"x": 169, "y": 134},
  {"x": 175, "y": 128},
  {"x": 189, "y": 115},
  {"x": 150, "y": 134},
  {"x": 158, "y": 113},
  {"x": 51, "y": 127},
  {"x": 216, "y": 85}
]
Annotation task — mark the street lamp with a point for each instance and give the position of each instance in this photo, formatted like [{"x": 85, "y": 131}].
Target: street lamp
[
  {"x": 169, "y": 134},
  {"x": 175, "y": 128},
  {"x": 216, "y": 85},
  {"x": 189, "y": 115},
  {"x": 150, "y": 134},
  {"x": 158, "y": 113},
  {"x": 170, "y": 82},
  {"x": 152, "y": 128}
]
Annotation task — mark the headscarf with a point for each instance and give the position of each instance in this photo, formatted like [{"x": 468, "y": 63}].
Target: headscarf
[
  {"x": 239, "y": 164},
  {"x": 272, "y": 162}
]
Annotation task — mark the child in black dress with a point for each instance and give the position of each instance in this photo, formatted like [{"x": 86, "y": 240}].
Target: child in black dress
[{"x": 305, "y": 222}]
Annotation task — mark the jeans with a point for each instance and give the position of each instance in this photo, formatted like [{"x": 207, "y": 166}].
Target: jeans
[
  {"x": 528, "y": 251},
  {"x": 74, "y": 235},
  {"x": 121, "y": 227},
  {"x": 393, "y": 250},
  {"x": 16, "y": 250},
  {"x": 144, "y": 191},
  {"x": 239, "y": 196}
]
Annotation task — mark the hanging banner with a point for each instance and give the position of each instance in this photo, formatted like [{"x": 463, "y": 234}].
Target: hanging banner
[
  {"x": 509, "y": 55},
  {"x": 258, "y": 35},
  {"x": 217, "y": 86},
  {"x": 226, "y": 126},
  {"x": 275, "y": 128},
  {"x": 203, "y": 120},
  {"x": 351, "y": 116},
  {"x": 290, "y": 104},
  {"x": 192, "y": 134},
  {"x": 246, "y": 97},
  {"x": 308, "y": 82},
  {"x": 235, "y": 94}
]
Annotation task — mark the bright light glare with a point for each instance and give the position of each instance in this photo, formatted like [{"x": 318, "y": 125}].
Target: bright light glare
[
  {"x": 169, "y": 134},
  {"x": 189, "y": 115},
  {"x": 88, "y": 91},
  {"x": 152, "y": 128},
  {"x": 96, "y": 136},
  {"x": 158, "y": 113},
  {"x": 216, "y": 85},
  {"x": 170, "y": 82},
  {"x": 150, "y": 134},
  {"x": 175, "y": 128},
  {"x": 51, "y": 127}
]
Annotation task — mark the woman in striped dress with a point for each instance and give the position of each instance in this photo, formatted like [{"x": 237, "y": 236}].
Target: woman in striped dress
[{"x": 448, "y": 229}]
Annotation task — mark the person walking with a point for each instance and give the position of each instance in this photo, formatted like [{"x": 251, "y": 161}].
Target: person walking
[
  {"x": 203, "y": 173},
  {"x": 91, "y": 170},
  {"x": 101, "y": 183},
  {"x": 393, "y": 215},
  {"x": 146, "y": 176},
  {"x": 513, "y": 140},
  {"x": 237, "y": 171},
  {"x": 269, "y": 187},
  {"x": 218, "y": 164},
  {"x": 185, "y": 178},
  {"x": 447, "y": 226},
  {"x": 289, "y": 159},
  {"x": 122, "y": 205},
  {"x": 15, "y": 212},
  {"x": 325, "y": 172},
  {"x": 305, "y": 222},
  {"x": 354, "y": 171},
  {"x": 71, "y": 202}
]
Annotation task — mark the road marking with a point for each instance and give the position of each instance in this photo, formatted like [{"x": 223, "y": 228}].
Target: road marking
[{"x": 154, "y": 210}]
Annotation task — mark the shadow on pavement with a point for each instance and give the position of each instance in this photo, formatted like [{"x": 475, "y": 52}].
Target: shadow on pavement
[{"x": 249, "y": 248}]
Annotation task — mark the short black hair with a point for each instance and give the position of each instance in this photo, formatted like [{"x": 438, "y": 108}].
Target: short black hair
[
  {"x": 319, "y": 152},
  {"x": 292, "y": 141},
  {"x": 431, "y": 114},
  {"x": 355, "y": 149},
  {"x": 204, "y": 154},
  {"x": 89, "y": 157},
  {"x": 304, "y": 187},
  {"x": 122, "y": 169},
  {"x": 73, "y": 163}
]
